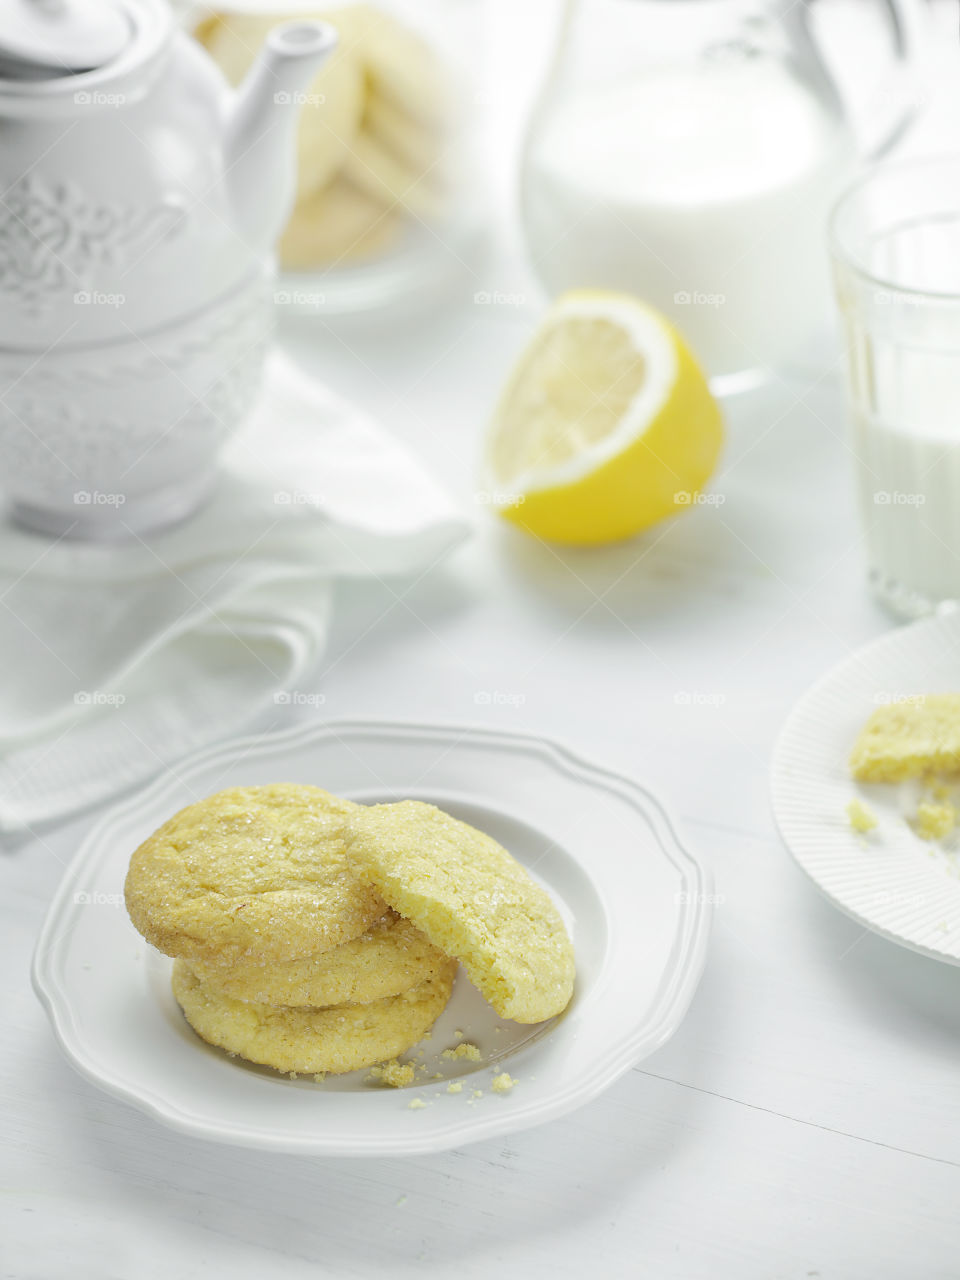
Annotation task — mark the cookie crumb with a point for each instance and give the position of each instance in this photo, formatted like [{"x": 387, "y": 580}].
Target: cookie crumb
[
  {"x": 401, "y": 1200},
  {"x": 416, "y": 1104},
  {"x": 861, "y": 818},
  {"x": 458, "y": 1035},
  {"x": 319, "y": 1077},
  {"x": 465, "y": 1050},
  {"x": 934, "y": 821},
  {"x": 478, "y": 1093},
  {"x": 454, "y": 1087},
  {"x": 396, "y": 1074},
  {"x": 502, "y": 1083}
]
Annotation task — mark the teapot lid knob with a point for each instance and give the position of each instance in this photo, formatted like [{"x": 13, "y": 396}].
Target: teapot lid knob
[{"x": 59, "y": 37}]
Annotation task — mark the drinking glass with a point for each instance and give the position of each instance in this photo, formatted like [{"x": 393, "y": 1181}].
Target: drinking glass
[{"x": 895, "y": 246}]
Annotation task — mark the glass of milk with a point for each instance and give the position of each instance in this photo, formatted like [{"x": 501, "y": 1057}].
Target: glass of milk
[
  {"x": 689, "y": 151},
  {"x": 895, "y": 241}
]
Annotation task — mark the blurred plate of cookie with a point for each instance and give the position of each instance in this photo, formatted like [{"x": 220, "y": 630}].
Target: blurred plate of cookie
[
  {"x": 470, "y": 826},
  {"x": 866, "y": 786}
]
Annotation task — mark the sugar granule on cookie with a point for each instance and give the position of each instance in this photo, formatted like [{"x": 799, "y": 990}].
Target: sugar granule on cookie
[{"x": 472, "y": 900}]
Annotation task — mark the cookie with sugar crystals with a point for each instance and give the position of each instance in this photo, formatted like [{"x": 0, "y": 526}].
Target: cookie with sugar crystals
[
  {"x": 339, "y": 1038},
  {"x": 391, "y": 957},
  {"x": 472, "y": 900},
  {"x": 908, "y": 738},
  {"x": 251, "y": 872}
]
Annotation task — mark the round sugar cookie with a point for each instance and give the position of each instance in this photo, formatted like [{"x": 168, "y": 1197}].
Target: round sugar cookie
[
  {"x": 391, "y": 957},
  {"x": 340, "y": 1038},
  {"x": 252, "y": 871},
  {"x": 472, "y": 900}
]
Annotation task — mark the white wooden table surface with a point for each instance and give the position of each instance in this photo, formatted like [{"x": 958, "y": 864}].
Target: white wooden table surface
[{"x": 805, "y": 1120}]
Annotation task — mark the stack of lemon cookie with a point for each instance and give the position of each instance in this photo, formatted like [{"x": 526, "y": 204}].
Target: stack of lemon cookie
[
  {"x": 374, "y": 129},
  {"x": 315, "y": 935}
]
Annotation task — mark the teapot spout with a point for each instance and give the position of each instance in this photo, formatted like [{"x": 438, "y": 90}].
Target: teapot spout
[{"x": 259, "y": 158}]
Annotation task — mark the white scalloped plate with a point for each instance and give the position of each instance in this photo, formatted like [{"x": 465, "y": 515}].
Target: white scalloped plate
[
  {"x": 637, "y": 904},
  {"x": 890, "y": 881}
]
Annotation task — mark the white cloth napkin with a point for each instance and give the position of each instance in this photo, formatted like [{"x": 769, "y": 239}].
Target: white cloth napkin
[{"x": 117, "y": 659}]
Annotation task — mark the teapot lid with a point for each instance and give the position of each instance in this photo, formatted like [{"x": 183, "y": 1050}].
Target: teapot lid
[{"x": 47, "y": 38}]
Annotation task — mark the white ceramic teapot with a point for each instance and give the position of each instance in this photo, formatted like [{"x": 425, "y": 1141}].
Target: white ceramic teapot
[{"x": 141, "y": 197}]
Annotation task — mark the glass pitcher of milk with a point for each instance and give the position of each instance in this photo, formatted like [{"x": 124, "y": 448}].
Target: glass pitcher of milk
[{"x": 689, "y": 151}]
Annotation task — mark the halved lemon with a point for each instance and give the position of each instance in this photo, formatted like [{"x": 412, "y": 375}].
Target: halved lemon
[{"x": 605, "y": 426}]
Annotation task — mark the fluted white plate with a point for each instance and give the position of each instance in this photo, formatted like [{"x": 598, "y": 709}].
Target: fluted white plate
[
  {"x": 637, "y": 904},
  {"x": 891, "y": 881}
]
